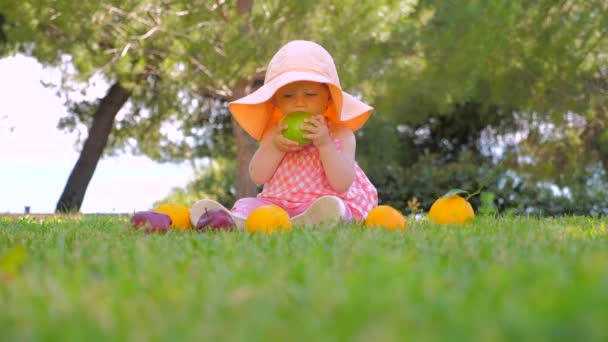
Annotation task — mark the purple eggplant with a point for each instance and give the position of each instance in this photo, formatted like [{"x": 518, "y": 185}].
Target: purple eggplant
[
  {"x": 215, "y": 219},
  {"x": 151, "y": 221}
]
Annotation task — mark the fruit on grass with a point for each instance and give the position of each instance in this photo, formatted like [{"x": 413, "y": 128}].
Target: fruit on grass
[
  {"x": 151, "y": 221},
  {"x": 451, "y": 209},
  {"x": 179, "y": 213},
  {"x": 267, "y": 219},
  {"x": 387, "y": 217},
  {"x": 215, "y": 219},
  {"x": 293, "y": 132}
]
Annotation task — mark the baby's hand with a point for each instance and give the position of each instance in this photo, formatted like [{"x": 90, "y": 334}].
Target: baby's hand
[
  {"x": 280, "y": 142},
  {"x": 318, "y": 128}
]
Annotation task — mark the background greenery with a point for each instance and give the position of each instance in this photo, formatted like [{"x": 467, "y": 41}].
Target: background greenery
[
  {"x": 509, "y": 278},
  {"x": 508, "y": 95}
]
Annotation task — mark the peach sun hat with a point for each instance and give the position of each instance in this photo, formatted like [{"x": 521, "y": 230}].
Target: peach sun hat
[{"x": 298, "y": 60}]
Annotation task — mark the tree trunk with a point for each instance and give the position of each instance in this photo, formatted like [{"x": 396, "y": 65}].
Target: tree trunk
[
  {"x": 103, "y": 121},
  {"x": 244, "y": 6},
  {"x": 592, "y": 136},
  {"x": 245, "y": 144},
  {"x": 245, "y": 148}
]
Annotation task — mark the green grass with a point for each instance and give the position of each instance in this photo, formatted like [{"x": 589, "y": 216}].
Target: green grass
[{"x": 499, "y": 279}]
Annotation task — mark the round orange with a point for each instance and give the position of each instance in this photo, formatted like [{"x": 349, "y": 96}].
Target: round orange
[
  {"x": 385, "y": 216},
  {"x": 179, "y": 214},
  {"x": 451, "y": 210},
  {"x": 267, "y": 219}
]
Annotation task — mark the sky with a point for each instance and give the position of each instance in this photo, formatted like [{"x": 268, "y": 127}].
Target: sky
[{"x": 36, "y": 158}]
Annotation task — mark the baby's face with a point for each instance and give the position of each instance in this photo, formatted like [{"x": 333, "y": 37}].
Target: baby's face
[{"x": 303, "y": 96}]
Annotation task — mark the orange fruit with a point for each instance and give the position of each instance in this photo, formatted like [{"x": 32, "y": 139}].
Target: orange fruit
[
  {"x": 267, "y": 219},
  {"x": 385, "y": 216},
  {"x": 179, "y": 214},
  {"x": 451, "y": 210}
]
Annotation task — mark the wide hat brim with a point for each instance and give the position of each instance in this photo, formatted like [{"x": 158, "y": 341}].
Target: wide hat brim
[{"x": 255, "y": 113}]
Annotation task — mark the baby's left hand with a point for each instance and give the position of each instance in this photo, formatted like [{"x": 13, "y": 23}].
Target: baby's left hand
[{"x": 319, "y": 132}]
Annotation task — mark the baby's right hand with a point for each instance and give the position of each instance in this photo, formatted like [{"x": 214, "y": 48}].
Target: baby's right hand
[{"x": 280, "y": 142}]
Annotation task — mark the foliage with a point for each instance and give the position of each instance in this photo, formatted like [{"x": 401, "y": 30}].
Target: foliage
[
  {"x": 487, "y": 207},
  {"x": 457, "y": 85},
  {"x": 584, "y": 196},
  {"x": 540, "y": 57},
  {"x": 510, "y": 278},
  {"x": 489, "y": 81},
  {"x": 174, "y": 58},
  {"x": 183, "y": 61},
  {"x": 215, "y": 181}
]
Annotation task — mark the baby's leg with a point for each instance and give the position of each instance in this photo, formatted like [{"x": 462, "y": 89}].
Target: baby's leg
[{"x": 326, "y": 210}]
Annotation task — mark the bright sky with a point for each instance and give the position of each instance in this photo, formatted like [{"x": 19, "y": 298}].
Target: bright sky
[{"x": 36, "y": 158}]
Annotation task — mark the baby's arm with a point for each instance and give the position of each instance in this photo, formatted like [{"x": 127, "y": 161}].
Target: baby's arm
[
  {"x": 339, "y": 166},
  {"x": 269, "y": 154}
]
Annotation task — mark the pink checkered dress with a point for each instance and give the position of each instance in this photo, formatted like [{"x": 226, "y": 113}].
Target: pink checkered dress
[{"x": 300, "y": 180}]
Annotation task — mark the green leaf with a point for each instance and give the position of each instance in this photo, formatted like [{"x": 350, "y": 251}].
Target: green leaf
[
  {"x": 12, "y": 259},
  {"x": 454, "y": 192}
]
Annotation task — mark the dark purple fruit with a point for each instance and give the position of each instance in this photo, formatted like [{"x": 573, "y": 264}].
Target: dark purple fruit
[
  {"x": 151, "y": 221},
  {"x": 215, "y": 219}
]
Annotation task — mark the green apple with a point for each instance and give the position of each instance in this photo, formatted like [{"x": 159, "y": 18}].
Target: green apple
[{"x": 293, "y": 132}]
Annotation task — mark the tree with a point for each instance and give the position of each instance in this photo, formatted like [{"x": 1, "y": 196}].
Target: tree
[
  {"x": 171, "y": 58},
  {"x": 95, "y": 143},
  {"x": 517, "y": 68}
]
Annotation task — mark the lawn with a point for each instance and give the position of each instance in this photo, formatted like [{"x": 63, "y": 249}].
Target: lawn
[{"x": 508, "y": 278}]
